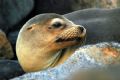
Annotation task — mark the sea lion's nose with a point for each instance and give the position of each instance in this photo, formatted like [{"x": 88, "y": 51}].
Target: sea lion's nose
[{"x": 81, "y": 28}]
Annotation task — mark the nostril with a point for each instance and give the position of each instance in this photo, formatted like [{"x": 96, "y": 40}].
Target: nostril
[{"x": 82, "y": 29}]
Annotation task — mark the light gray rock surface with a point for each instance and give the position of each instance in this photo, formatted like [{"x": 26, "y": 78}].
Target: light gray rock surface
[{"x": 78, "y": 61}]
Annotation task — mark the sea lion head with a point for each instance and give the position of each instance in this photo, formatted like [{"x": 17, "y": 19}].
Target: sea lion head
[{"x": 41, "y": 40}]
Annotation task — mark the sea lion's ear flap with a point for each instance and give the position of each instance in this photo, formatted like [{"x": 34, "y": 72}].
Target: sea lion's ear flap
[{"x": 31, "y": 27}]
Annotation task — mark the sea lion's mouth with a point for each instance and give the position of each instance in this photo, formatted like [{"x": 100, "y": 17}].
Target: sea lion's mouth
[{"x": 76, "y": 39}]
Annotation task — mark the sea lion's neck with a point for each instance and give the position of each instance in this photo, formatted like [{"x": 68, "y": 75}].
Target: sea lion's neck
[
  {"x": 59, "y": 57},
  {"x": 44, "y": 58},
  {"x": 64, "y": 55}
]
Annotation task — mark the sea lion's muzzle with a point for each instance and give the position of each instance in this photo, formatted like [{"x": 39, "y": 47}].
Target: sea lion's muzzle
[{"x": 76, "y": 34}]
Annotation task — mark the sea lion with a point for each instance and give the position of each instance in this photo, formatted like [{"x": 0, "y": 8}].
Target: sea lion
[
  {"x": 47, "y": 40},
  {"x": 6, "y": 51}
]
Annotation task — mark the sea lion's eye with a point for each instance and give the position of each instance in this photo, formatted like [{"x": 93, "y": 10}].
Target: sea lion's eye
[{"x": 57, "y": 24}]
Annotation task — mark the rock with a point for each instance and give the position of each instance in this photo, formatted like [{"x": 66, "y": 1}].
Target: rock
[
  {"x": 66, "y": 6},
  {"x": 53, "y": 6},
  {"x": 9, "y": 69},
  {"x": 84, "y": 4},
  {"x": 110, "y": 73},
  {"x": 107, "y": 3},
  {"x": 6, "y": 51},
  {"x": 86, "y": 57},
  {"x": 12, "y": 12},
  {"x": 12, "y": 36},
  {"x": 97, "y": 3}
]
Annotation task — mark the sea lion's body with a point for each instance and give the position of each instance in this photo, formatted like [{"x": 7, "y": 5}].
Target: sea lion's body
[
  {"x": 103, "y": 25},
  {"x": 47, "y": 40}
]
